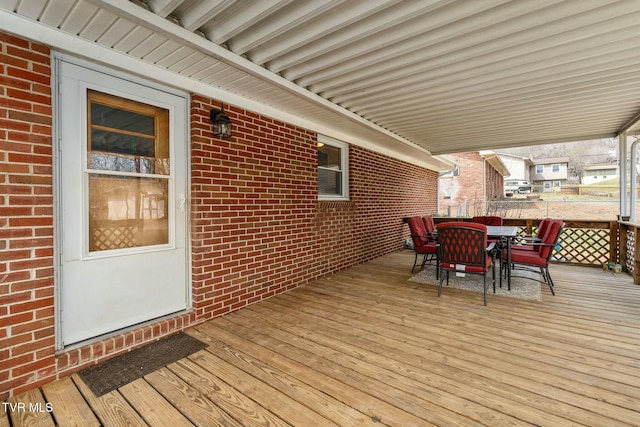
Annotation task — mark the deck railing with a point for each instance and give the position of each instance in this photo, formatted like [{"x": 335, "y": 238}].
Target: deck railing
[{"x": 586, "y": 243}]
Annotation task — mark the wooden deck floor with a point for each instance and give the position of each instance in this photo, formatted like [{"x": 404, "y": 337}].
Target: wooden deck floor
[{"x": 367, "y": 347}]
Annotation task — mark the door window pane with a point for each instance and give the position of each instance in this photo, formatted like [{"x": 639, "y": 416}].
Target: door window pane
[
  {"x": 127, "y": 136},
  {"x": 132, "y": 210},
  {"x": 110, "y": 116},
  {"x": 127, "y": 212},
  {"x": 113, "y": 142}
]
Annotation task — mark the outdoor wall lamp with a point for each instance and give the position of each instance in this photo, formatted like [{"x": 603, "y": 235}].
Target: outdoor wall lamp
[{"x": 221, "y": 123}]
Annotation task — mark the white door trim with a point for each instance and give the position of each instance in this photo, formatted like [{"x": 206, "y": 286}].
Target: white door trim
[{"x": 181, "y": 134}]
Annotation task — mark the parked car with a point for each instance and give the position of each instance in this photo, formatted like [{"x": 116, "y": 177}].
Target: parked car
[{"x": 512, "y": 187}]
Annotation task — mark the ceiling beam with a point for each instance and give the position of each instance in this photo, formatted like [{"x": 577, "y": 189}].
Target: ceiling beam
[
  {"x": 298, "y": 14},
  {"x": 164, "y": 8},
  {"x": 221, "y": 31}
]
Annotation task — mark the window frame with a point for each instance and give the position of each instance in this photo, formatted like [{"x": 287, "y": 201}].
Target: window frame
[
  {"x": 344, "y": 167},
  {"x": 539, "y": 169},
  {"x": 554, "y": 167}
]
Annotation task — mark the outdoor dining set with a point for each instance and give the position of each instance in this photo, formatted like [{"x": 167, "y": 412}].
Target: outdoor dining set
[{"x": 476, "y": 246}]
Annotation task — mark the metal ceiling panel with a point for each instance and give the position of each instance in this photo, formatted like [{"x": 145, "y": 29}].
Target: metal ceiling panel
[
  {"x": 446, "y": 75},
  {"x": 78, "y": 17},
  {"x": 56, "y": 11}
]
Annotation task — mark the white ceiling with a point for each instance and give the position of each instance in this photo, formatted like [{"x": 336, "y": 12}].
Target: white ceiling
[{"x": 449, "y": 76}]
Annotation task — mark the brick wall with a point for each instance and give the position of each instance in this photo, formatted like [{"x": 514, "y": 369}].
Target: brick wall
[
  {"x": 382, "y": 191},
  {"x": 26, "y": 216},
  {"x": 257, "y": 227},
  {"x": 477, "y": 181},
  {"x": 253, "y": 203}
]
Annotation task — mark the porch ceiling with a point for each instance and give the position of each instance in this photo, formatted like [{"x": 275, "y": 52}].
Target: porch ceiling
[{"x": 448, "y": 76}]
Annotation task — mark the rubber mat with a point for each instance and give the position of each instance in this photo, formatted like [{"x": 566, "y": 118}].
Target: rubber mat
[{"x": 123, "y": 369}]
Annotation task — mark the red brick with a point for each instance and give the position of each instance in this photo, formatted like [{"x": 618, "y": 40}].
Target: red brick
[
  {"x": 42, "y": 377},
  {"x": 27, "y": 53},
  {"x": 11, "y": 362},
  {"x": 15, "y": 255},
  {"x": 30, "y": 305},
  {"x": 29, "y": 158},
  {"x": 8, "y": 60},
  {"x": 23, "y": 75},
  {"x": 33, "y": 345},
  {"x": 13, "y": 298},
  {"x": 16, "y": 189},
  {"x": 11, "y": 342},
  {"x": 30, "y": 221},
  {"x": 31, "y": 326}
]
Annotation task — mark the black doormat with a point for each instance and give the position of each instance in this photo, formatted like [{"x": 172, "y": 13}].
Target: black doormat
[{"x": 123, "y": 369}]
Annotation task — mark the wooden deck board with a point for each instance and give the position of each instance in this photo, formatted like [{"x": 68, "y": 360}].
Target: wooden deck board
[
  {"x": 367, "y": 347},
  {"x": 226, "y": 396},
  {"x": 200, "y": 410},
  {"x": 110, "y": 408},
  {"x": 4, "y": 419},
  {"x": 71, "y": 408},
  {"x": 152, "y": 406},
  {"x": 32, "y": 412},
  {"x": 290, "y": 396}
]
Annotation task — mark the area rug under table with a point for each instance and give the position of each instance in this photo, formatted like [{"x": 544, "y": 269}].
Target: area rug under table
[
  {"x": 521, "y": 287},
  {"x": 123, "y": 369}
]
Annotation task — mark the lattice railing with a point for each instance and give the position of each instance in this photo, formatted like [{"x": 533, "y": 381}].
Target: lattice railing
[
  {"x": 630, "y": 261},
  {"x": 583, "y": 246}
]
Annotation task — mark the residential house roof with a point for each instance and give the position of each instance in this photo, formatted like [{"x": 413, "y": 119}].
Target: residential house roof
[{"x": 550, "y": 160}]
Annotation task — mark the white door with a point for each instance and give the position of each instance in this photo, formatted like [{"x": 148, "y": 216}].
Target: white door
[{"x": 122, "y": 170}]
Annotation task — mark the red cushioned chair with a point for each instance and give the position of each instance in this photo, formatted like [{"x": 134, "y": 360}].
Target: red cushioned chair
[
  {"x": 490, "y": 220},
  {"x": 537, "y": 259},
  {"x": 463, "y": 248},
  {"x": 487, "y": 220},
  {"x": 423, "y": 242},
  {"x": 527, "y": 241},
  {"x": 429, "y": 224}
]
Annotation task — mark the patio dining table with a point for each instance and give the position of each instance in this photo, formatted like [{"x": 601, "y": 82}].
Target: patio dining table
[{"x": 505, "y": 233}]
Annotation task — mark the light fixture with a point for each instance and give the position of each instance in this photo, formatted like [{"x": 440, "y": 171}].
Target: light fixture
[{"x": 221, "y": 123}]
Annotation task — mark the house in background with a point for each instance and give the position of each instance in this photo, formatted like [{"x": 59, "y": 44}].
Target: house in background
[
  {"x": 594, "y": 174},
  {"x": 519, "y": 167},
  {"x": 549, "y": 175},
  {"x": 477, "y": 178}
]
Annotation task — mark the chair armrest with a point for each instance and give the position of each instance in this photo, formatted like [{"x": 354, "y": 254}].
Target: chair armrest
[
  {"x": 539, "y": 243},
  {"x": 523, "y": 240},
  {"x": 430, "y": 235}
]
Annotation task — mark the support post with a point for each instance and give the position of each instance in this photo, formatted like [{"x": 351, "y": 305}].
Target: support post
[{"x": 622, "y": 158}]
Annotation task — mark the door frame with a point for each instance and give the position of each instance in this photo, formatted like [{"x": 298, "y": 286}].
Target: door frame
[{"x": 57, "y": 59}]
